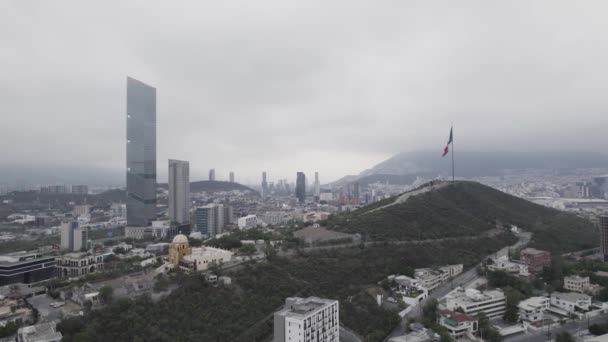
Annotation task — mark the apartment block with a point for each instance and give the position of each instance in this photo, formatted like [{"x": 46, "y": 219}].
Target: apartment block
[
  {"x": 493, "y": 303},
  {"x": 309, "y": 319}
]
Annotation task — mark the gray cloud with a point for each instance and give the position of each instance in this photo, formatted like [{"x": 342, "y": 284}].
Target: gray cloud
[{"x": 311, "y": 85}]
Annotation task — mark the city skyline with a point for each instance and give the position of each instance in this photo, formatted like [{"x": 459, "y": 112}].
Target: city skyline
[{"x": 395, "y": 83}]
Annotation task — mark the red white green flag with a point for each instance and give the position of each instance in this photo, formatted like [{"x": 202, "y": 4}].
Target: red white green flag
[{"x": 447, "y": 149}]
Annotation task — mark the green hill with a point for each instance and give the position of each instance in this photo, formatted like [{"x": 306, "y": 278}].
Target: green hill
[{"x": 466, "y": 209}]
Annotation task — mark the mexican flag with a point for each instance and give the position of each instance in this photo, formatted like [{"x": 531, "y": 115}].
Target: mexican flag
[{"x": 447, "y": 149}]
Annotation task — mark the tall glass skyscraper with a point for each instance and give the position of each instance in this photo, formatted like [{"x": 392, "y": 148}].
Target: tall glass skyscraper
[{"x": 141, "y": 153}]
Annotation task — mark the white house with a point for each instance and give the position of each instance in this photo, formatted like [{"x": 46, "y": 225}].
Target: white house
[
  {"x": 533, "y": 308},
  {"x": 458, "y": 324},
  {"x": 571, "y": 301},
  {"x": 309, "y": 319},
  {"x": 576, "y": 283},
  {"x": 493, "y": 303}
]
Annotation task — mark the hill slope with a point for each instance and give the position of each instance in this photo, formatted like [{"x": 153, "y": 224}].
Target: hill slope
[
  {"x": 466, "y": 209},
  {"x": 214, "y": 186}
]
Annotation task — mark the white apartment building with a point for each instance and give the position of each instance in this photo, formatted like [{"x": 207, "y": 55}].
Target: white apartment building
[
  {"x": 493, "y": 303},
  {"x": 247, "y": 222},
  {"x": 576, "y": 283},
  {"x": 458, "y": 324},
  {"x": 571, "y": 301},
  {"x": 201, "y": 258},
  {"x": 309, "y": 319},
  {"x": 533, "y": 309}
]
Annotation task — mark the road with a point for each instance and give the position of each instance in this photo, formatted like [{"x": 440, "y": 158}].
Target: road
[
  {"x": 462, "y": 280},
  {"x": 573, "y": 327}
]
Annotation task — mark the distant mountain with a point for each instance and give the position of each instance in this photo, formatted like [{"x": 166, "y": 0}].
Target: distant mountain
[
  {"x": 466, "y": 209},
  {"x": 473, "y": 164},
  {"x": 214, "y": 186}
]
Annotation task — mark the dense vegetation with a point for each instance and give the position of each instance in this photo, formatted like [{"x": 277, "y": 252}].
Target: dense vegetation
[
  {"x": 243, "y": 311},
  {"x": 468, "y": 208}
]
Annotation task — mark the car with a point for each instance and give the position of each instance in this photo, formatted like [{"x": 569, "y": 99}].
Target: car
[
  {"x": 57, "y": 304},
  {"x": 391, "y": 299}
]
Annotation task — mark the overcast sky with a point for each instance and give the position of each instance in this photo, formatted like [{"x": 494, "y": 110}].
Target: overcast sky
[{"x": 283, "y": 86}]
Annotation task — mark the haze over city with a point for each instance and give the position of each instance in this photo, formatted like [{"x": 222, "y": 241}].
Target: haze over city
[{"x": 284, "y": 86}]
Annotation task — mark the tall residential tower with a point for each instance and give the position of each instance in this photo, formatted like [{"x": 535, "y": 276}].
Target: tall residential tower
[
  {"x": 179, "y": 191},
  {"x": 212, "y": 175},
  {"x": 603, "y": 225},
  {"x": 301, "y": 187},
  {"x": 141, "y": 153}
]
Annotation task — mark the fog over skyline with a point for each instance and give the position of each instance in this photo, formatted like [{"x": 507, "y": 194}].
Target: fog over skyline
[{"x": 286, "y": 86}]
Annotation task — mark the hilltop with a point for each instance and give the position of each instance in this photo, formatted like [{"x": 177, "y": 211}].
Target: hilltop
[
  {"x": 214, "y": 186},
  {"x": 465, "y": 209}
]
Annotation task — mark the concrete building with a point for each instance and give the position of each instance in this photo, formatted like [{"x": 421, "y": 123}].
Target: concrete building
[
  {"x": 603, "y": 226},
  {"x": 42, "y": 332},
  {"x": 202, "y": 257},
  {"x": 535, "y": 259},
  {"x": 179, "y": 191},
  {"x": 429, "y": 278},
  {"x": 458, "y": 324},
  {"x": 576, "y": 283},
  {"x": 141, "y": 153},
  {"x": 26, "y": 267},
  {"x": 231, "y": 177},
  {"x": 309, "y": 319},
  {"x": 139, "y": 233},
  {"x": 73, "y": 237},
  {"x": 533, "y": 309},
  {"x": 247, "y": 222},
  {"x": 212, "y": 175},
  {"x": 264, "y": 185},
  {"x": 493, "y": 303},
  {"x": 570, "y": 302},
  {"x": 74, "y": 265},
  {"x": 209, "y": 219},
  {"x": 504, "y": 264},
  {"x": 317, "y": 187},
  {"x": 301, "y": 187},
  {"x": 228, "y": 215},
  {"x": 80, "y": 210}
]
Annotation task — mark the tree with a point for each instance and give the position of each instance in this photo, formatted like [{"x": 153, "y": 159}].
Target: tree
[
  {"x": 247, "y": 250},
  {"x": 105, "y": 294},
  {"x": 564, "y": 336},
  {"x": 429, "y": 312}
]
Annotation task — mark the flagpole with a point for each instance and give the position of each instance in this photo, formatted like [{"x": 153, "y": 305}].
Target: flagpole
[{"x": 452, "y": 130}]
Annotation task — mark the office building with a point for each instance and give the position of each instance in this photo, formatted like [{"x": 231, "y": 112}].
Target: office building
[
  {"x": 212, "y": 175},
  {"x": 80, "y": 189},
  {"x": 231, "y": 176},
  {"x": 535, "y": 259},
  {"x": 228, "y": 215},
  {"x": 301, "y": 187},
  {"x": 74, "y": 265},
  {"x": 210, "y": 219},
  {"x": 356, "y": 194},
  {"x": 603, "y": 225},
  {"x": 493, "y": 302},
  {"x": 309, "y": 319},
  {"x": 26, "y": 268},
  {"x": 73, "y": 237},
  {"x": 141, "y": 153},
  {"x": 264, "y": 185},
  {"x": 179, "y": 191},
  {"x": 317, "y": 190}
]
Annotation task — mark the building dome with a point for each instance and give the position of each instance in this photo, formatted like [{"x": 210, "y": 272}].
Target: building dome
[{"x": 180, "y": 238}]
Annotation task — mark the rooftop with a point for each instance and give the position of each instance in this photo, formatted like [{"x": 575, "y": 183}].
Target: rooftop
[
  {"x": 571, "y": 296},
  {"x": 39, "y": 332},
  {"x": 532, "y": 251},
  {"x": 457, "y": 316},
  {"x": 295, "y": 306}
]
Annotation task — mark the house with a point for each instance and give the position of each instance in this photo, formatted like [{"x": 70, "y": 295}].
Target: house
[
  {"x": 458, "y": 324},
  {"x": 580, "y": 284},
  {"x": 533, "y": 309},
  {"x": 570, "y": 302},
  {"x": 493, "y": 302},
  {"x": 535, "y": 259}
]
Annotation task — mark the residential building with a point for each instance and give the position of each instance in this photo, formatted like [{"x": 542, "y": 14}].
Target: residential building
[
  {"x": 317, "y": 189},
  {"x": 247, "y": 222},
  {"x": 73, "y": 237},
  {"x": 603, "y": 226},
  {"x": 576, "y": 283},
  {"x": 231, "y": 176},
  {"x": 535, "y": 259},
  {"x": 309, "y": 319},
  {"x": 533, "y": 309},
  {"x": 80, "y": 210},
  {"x": 80, "y": 189},
  {"x": 418, "y": 333},
  {"x": 179, "y": 191},
  {"x": 26, "y": 267},
  {"x": 42, "y": 332},
  {"x": 141, "y": 153},
  {"x": 228, "y": 215},
  {"x": 119, "y": 210},
  {"x": 570, "y": 302},
  {"x": 493, "y": 302},
  {"x": 212, "y": 175},
  {"x": 429, "y": 278},
  {"x": 301, "y": 187},
  {"x": 452, "y": 270},
  {"x": 74, "y": 265},
  {"x": 458, "y": 324}
]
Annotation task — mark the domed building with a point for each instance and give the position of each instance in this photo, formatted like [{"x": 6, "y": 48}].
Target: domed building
[{"x": 179, "y": 248}]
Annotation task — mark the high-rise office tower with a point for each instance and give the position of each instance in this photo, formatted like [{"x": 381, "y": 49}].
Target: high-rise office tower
[
  {"x": 210, "y": 219},
  {"x": 264, "y": 185},
  {"x": 212, "y": 175},
  {"x": 603, "y": 225},
  {"x": 356, "y": 194},
  {"x": 73, "y": 237},
  {"x": 317, "y": 187},
  {"x": 141, "y": 153},
  {"x": 301, "y": 187},
  {"x": 179, "y": 191},
  {"x": 231, "y": 177}
]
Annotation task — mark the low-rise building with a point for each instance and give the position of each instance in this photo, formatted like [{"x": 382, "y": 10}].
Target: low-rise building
[
  {"x": 533, "y": 309},
  {"x": 504, "y": 264},
  {"x": 576, "y": 283},
  {"x": 493, "y": 302},
  {"x": 43, "y": 332},
  {"x": 418, "y": 334},
  {"x": 309, "y": 319},
  {"x": 74, "y": 265},
  {"x": 535, "y": 259},
  {"x": 247, "y": 222},
  {"x": 26, "y": 268},
  {"x": 139, "y": 233},
  {"x": 201, "y": 258},
  {"x": 429, "y": 278},
  {"x": 458, "y": 324},
  {"x": 571, "y": 302},
  {"x": 452, "y": 270}
]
